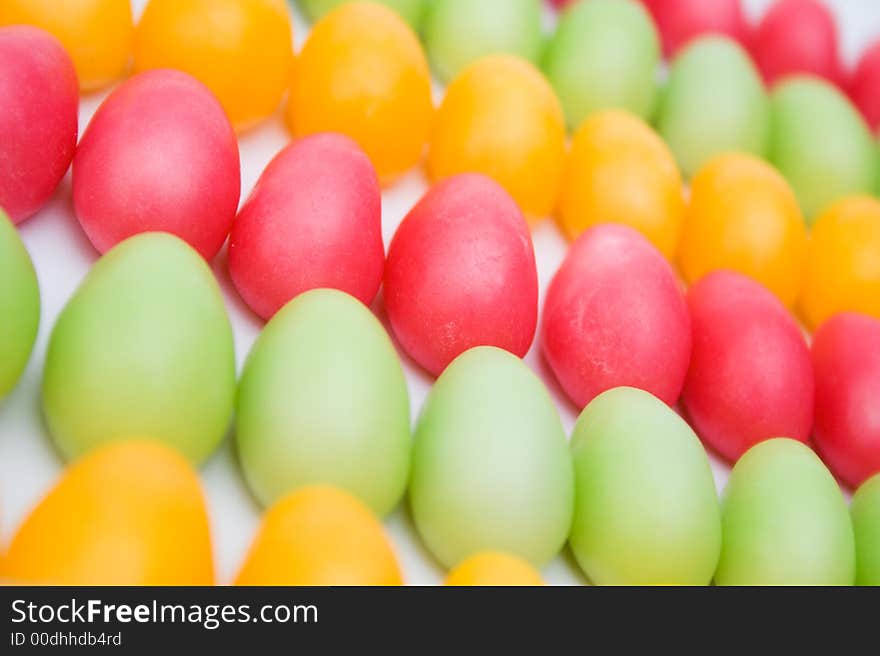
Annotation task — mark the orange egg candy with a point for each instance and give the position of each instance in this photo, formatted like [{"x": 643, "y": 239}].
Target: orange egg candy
[
  {"x": 242, "y": 50},
  {"x": 320, "y": 536},
  {"x": 98, "y": 34},
  {"x": 743, "y": 216},
  {"x": 492, "y": 568},
  {"x": 620, "y": 171},
  {"x": 130, "y": 513},
  {"x": 362, "y": 72},
  {"x": 843, "y": 263},
  {"x": 501, "y": 118}
]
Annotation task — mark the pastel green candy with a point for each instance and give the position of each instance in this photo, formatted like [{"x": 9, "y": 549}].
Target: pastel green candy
[
  {"x": 784, "y": 520},
  {"x": 323, "y": 400},
  {"x": 458, "y": 32},
  {"x": 604, "y": 54},
  {"x": 820, "y": 144},
  {"x": 646, "y": 509},
  {"x": 19, "y": 306},
  {"x": 412, "y": 11},
  {"x": 865, "y": 511},
  {"x": 713, "y": 102},
  {"x": 491, "y": 466},
  {"x": 142, "y": 350}
]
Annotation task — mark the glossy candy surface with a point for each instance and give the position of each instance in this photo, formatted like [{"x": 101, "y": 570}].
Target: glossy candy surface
[
  {"x": 750, "y": 376},
  {"x": 865, "y": 86},
  {"x": 362, "y": 72},
  {"x": 615, "y": 315},
  {"x": 865, "y": 512},
  {"x": 493, "y": 568},
  {"x": 159, "y": 155},
  {"x": 322, "y": 400},
  {"x": 412, "y": 11},
  {"x": 142, "y": 349},
  {"x": 461, "y": 273},
  {"x": 313, "y": 220},
  {"x": 491, "y": 467},
  {"x": 743, "y": 216},
  {"x": 501, "y": 118},
  {"x": 680, "y": 21},
  {"x": 38, "y": 119}
]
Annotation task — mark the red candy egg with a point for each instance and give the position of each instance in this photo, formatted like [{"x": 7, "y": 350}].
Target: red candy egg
[
  {"x": 159, "y": 155},
  {"x": 750, "y": 377},
  {"x": 846, "y": 359},
  {"x": 797, "y": 36},
  {"x": 313, "y": 220},
  {"x": 679, "y": 21},
  {"x": 461, "y": 273},
  {"x": 615, "y": 316},
  {"x": 39, "y": 99},
  {"x": 865, "y": 86}
]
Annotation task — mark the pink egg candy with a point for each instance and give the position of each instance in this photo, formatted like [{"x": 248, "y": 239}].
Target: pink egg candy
[
  {"x": 39, "y": 99},
  {"x": 313, "y": 220},
  {"x": 750, "y": 377},
  {"x": 846, "y": 358},
  {"x": 461, "y": 273},
  {"x": 865, "y": 85},
  {"x": 615, "y": 316},
  {"x": 679, "y": 21},
  {"x": 798, "y": 36},
  {"x": 159, "y": 155}
]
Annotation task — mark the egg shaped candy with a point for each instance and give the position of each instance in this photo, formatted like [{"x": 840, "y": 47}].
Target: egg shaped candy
[
  {"x": 131, "y": 513},
  {"x": 750, "y": 376},
  {"x": 159, "y": 155},
  {"x": 620, "y": 171},
  {"x": 743, "y": 216},
  {"x": 680, "y": 21},
  {"x": 362, "y": 72},
  {"x": 242, "y": 50},
  {"x": 820, "y": 143},
  {"x": 784, "y": 521},
  {"x": 604, "y": 55},
  {"x": 412, "y": 11},
  {"x": 38, "y": 118},
  {"x": 142, "y": 349},
  {"x": 323, "y": 400},
  {"x": 714, "y": 102},
  {"x": 491, "y": 468},
  {"x": 459, "y": 32},
  {"x": 865, "y": 85},
  {"x": 646, "y": 511},
  {"x": 320, "y": 536},
  {"x": 501, "y": 118},
  {"x": 492, "y": 568},
  {"x": 615, "y": 316},
  {"x": 865, "y": 512},
  {"x": 98, "y": 34},
  {"x": 461, "y": 273},
  {"x": 846, "y": 359},
  {"x": 843, "y": 262},
  {"x": 313, "y": 220},
  {"x": 19, "y": 306}
]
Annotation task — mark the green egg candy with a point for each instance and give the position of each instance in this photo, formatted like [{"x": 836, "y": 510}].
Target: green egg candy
[
  {"x": 604, "y": 55},
  {"x": 491, "y": 466},
  {"x": 142, "y": 350},
  {"x": 411, "y": 11},
  {"x": 714, "y": 102},
  {"x": 323, "y": 400},
  {"x": 19, "y": 306},
  {"x": 646, "y": 509},
  {"x": 820, "y": 143},
  {"x": 784, "y": 520},
  {"x": 458, "y": 32},
  {"x": 865, "y": 511}
]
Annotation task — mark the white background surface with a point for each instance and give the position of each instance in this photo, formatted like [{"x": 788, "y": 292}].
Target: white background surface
[{"x": 63, "y": 255}]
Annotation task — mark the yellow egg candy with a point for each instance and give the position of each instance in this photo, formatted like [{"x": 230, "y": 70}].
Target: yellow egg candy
[
  {"x": 98, "y": 34},
  {"x": 620, "y": 171},
  {"x": 500, "y": 117},
  {"x": 362, "y": 72},
  {"x": 130, "y": 513},
  {"x": 743, "y": 216},
  {"x": 320, "y": 535},
  {"x": 843, "y": 262},
  {"x": 492, "y": 568},
  {"x": 240, "y": 49}
]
